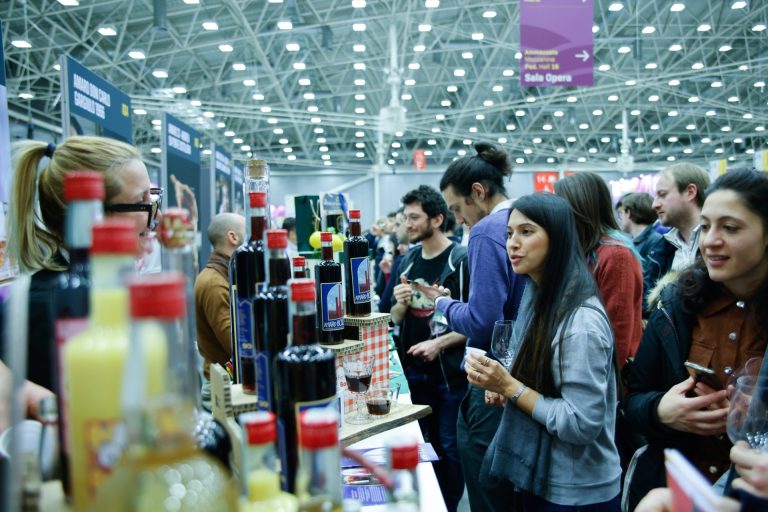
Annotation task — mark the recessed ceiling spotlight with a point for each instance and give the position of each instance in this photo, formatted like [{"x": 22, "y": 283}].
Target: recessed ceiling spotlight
[
  {"x": 210, "y": 25},
  {"x": 649, "y": 29},
  {"x": 675, "y": 47},
  {"x": 284, "y": 25},
  {"x": 677, "y": 7},
  {"x": 704, "y": 27}
]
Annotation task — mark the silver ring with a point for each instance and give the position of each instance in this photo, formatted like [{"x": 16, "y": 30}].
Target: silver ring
[
  {"x": 487, "y": 361},
  {"x": 477, "y": 375}
]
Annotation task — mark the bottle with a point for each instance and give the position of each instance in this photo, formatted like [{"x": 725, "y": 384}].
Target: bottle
[
  {"x": 94, "y": 361},
  {"x": 330, "y": 308},
  {"x": 161, "y": 467},
  {"x": 306, "y": 376},
  {"x": 357, "y": 277},
  {"x": 299, "y": 267},
  {"x": 258, "y": 178},
  {"x": 83, "y": 193},
  {"x": 260, "y": 475},
  {"x": 318, "y": 483},
  {"x": 250, "y": 275},
  {"x": 176, "y": 234},
  {"x": 403, "y": 459},
  {"x": 271, "y": 318}
]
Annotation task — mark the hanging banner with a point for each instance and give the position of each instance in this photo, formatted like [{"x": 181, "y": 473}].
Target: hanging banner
[
  {"x": 557, "y": 43},
  {"x": 91, "y": 105},
  {"x": 6, "y": 271},
  {"x": 221, "y": 168},
  {"x": 238, "y": 199},
  {"x": 760, "y": 160},
  {"x": 544, "y": 181},
  {"x": 419, "y": 160},
  {"x": 717, "y": 167}
]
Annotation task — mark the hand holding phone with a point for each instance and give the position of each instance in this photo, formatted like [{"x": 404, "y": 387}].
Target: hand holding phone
[{"x": 705, "y": 375}]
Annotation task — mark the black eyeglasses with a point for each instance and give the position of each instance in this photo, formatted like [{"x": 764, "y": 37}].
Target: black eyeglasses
[{"x": 155, "y": 200}]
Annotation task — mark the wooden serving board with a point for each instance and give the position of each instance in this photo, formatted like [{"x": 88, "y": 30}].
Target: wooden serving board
[{"x": 402, "y": 414}]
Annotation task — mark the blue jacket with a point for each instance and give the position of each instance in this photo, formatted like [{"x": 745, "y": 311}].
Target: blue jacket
[{"x": 657, "y": 256}]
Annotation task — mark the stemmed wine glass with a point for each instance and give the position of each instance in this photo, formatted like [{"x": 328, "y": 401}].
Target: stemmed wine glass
[
  {"x": 358, "y": 370},
  {"x": 502, "y": 345},
  {"x": 748, "y": 412}
]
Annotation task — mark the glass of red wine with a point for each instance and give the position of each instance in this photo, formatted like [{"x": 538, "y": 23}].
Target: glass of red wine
[
  {"x": 358, "y": 370},
  {"x": 380, "y": 400}
]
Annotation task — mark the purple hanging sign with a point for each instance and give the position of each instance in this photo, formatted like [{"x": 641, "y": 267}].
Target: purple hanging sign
[{"x": 556, "y": 42}]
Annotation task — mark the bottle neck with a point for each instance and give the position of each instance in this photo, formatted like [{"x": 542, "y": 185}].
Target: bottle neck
[
  {"x": 260, "y": 476},
  {"x": 78, "y": 226},
  {"x": 109, "y": 295},
  {"x": 279, "y": 267},
  {"x": 327, "y": 251},
  {"x": 258, "y": 224},
  {"x": 354, "y": 227},
  {"x": 321, "y": 478},
  {"x": 303, "y": 315}
]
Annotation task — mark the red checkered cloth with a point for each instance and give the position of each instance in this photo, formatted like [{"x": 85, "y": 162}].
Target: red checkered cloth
[{"x": 374, "y": 334}]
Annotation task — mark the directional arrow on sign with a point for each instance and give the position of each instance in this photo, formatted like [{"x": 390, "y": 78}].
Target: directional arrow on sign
[{"x": 584, "y": 55}]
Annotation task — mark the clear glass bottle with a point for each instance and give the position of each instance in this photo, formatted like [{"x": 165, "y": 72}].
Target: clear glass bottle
[
  {"x": 318, "y": 482},
  {"x": 161, "y": 467},
  {"x": 403, "y": 459}
]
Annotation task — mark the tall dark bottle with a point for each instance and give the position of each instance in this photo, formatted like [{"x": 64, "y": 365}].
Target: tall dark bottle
[
  {"x": 270, "y": 312},
  {"x": 306, "y": 377},
  {"x": 299, "y": 267},
  {"x": 84, "y": 193},
  {"x": 330, "y": 308},
  {"x": 249, "y": 274},
  {"x": 357, "y": 276}
]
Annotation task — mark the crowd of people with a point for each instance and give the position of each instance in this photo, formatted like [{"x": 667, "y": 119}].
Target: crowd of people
[{"x": 610, "y": 301}]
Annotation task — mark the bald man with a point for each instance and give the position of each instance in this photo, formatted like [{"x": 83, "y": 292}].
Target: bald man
[{"x": 226, "y": 233}]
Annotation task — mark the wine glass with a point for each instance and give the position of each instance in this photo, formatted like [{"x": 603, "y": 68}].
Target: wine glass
[
  {"x": 358, "y": 370},
  {"x": 502, "y": 346},
  {"x": 748, "y": 412}
]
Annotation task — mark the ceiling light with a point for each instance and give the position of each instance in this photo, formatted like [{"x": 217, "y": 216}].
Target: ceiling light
[
  {"x": 359, "y": 97},
  {"x": 716, "y": 84},
  {"x": 671, "y": 158},
  {"x": 446, "y": 103},
  {"x": 249, "y": 82},
  {"x": 272, "y": 120},
  {"x": 690, "y": 127},
  {"x": 360, "y": 110},
  {"x": 323, "y": 149},
  {"x": 497, "y": 88},
  {"x": 425, "y": 27},
  {"x": 299, "y": 66},
  {"x": 237, "y": 140},
  {"x": 358, "y": 27},
  {"x": 592, "y": 150},
  {"x": 740, "y": 4},
  {"x": 502, "y": 140},
  {"x": 139, "y": 112},
  {"x": 527, "y": 151},
  {"x": 677, "y": 7},
  {"x": 26, "y": 95},
  {"x": 316, "y": 120},
  {"x": 693, "y": 99},
  {"x": 309, "y": 95},
  {"x": 758, "y": 28},
  {"x": 358, "y": 4},
  {"x": 359, "y": 81},
  {"x": 508, "y": 72},
  {"x": 360, "y": 154},
  {"x": 675, "y": 47},
  {"x": 478, "y": 36},
  {"x": 440, "y": 117},
  {"x": 673, "y": 113},
  {"x": 488, "y": 103},
  {"x": 520, "y": 160},
  {"x": 725, "y": 48},
  {"x": 107, "y": 30},
  {"x": 605, "y": 140},
  {"x": 733, "y": 99},
  {"x": 653, "y": 98},
  {"x": 546, "y": 127},
  {"x": 648, "y": 29},
  {"x": 571, "y": 99},
  {"x": 583, "y": 126},
  {"x": 432, "y": 4},
  {"x": 467, "y": 142},
  {"x": 359, "y": 122},
  {"x": 406, "y": 97},
  {"x": 466, "y": 55},
  {"x": 558, "y": 113},
  {"x": 531, "y": 99},
  {"x": 537, "y": 140},
  {"x": 178, "y": 89},
  {"x": 704, "y": 27},
  {"x": 69, "y": 3},
  {"x": 155, "y": 150},
  {"x": 719, "y": 150},
  {"x": 674, "y": 83},
  {"x": 229, "y": 133},
  {"x": 571, "y": 139},
  {"x": 624, "y": 49},
  {"x": 672, "y": 139},
  {"x": 258, "y": 96},
  {"x": 459, "y": 72},
  {"x": 288, "y": 150},
  {"x": 292, "y": 47},
  {"x": 210, "y": 25},
  {"x": 238, "y": 66},
  {"x": 321, "y": 140},
  {"x": 760, "y": 128},
  {"x": 489, "y": 14},
  {"x": 639, "y": 140},
  {"x": 511, "y": 127},
  {"x": 597, "y": 112},
  {"x": 160, "y": 73},
  {"x": 738, "y": 140},
  {"x": 616, "y": 7},
  {"x": 518, "y": 55},
  {"x": 651, "y": 65},
  {"x": 284, "y": 25},
  {"x": 419, "y": 48},
  {"x": 359, "y": 48},
  {"x": 710, "y": 113},
  {"x": 635, "y": 112},
  {"x": 560, "y": 150},
  {"x": 550, "y": 160},
  {"x": 656, "y": 150},
  {"x": 759, "y": 84},
  {"x": 359, "y": 134},
  {"x": 266, "y": 109},
  {"x": 630, "y": 82},
  {"x": 137, "y": 54},
  {"x": 604, "y": 67},
  {"x": 21, "y": 43},
  {"x": 226, "y": 48},
  {"x": 595, "y": 29},
  {"x": 654, "y": 126},
  {"x": 725, "y": 129},
  {"x": 221, "y": 124},
  {"x": 452, "y": 88},
  {"x": 435, "y": 129},
  {"x": 410, "y": 81},
  {"x": 359, "y": 66},
  {"x": 613, "y": 97},
  {"x": 278, "y": 131},
  {"x": 706, "y": 140},
  {"x": 519, "y": 113},
  {"x": 414, "y": 65}
]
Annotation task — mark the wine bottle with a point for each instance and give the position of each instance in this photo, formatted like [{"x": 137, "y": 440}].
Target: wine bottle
[
  {"x": 306, "y": 377},
  {"x": 357, "y": 277},
  {"x": 299, "y": 267},
  {"x": 258, "y": 178},
  {"x": 330, "y": 308},
  {"x": 83, "y": 193},
  {"x": 271, "y": 318},
  {"x": 318, "y": 483}
]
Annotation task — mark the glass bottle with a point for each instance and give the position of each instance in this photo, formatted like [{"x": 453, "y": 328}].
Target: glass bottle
[
  {"x": 318, "y": 482},
  {"x": 161, "y": 467},
  {"x": 306, "y": 376},
  {"x": 83, "y": 193},
  {"x": 330, "y": 307},
  {"x": 260, "y": 475},
  {"x": 299, "y": 267},
  {"x": 403, "y": 459},
  {"x": 357, "y": 277},
  {"x": 258, "y": 178}
]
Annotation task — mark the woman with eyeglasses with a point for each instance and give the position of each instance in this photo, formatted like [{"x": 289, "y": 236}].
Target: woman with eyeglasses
[{"x": 36, "y": 236}]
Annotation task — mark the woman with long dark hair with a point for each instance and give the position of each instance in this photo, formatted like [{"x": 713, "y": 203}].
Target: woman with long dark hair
[
  {"x": 555, "y": 441},
  {"x": 714, "y": 315}
]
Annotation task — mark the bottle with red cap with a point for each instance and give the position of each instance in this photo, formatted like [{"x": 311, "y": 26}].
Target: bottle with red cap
[
  {"x": 250, "y": 275},
  {"x": 318, "y": 482},
  {"x": 357, "y": 274},
  {"x": 84, "y": 194},
  {"x": 305, "y": 376},
  {"x": 260, "y": 475},
  {"x": 403, "y": 459},
  {"x": 330, "y": 306},
  {"x": 270, "y": 313},
  {"x": 158, "y": 403},
  {"x": 94, "y": 360},
  {"x": 299, "y": 267}
]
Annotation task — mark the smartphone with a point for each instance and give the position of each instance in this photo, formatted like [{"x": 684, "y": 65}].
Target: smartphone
[{"x": 704, "y": 375}]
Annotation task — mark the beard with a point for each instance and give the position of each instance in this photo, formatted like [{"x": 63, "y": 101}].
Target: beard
[{"x": 422, "y": 235}]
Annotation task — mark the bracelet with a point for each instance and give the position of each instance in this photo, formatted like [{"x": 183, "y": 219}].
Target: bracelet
[{"x": 518, "y": 393}]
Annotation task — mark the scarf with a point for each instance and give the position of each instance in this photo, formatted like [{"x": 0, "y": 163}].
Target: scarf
[{"x": 220, "y": 263}]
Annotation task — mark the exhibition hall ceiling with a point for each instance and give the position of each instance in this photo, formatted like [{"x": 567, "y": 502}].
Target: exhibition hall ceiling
[{"x": 302, "y": 82}]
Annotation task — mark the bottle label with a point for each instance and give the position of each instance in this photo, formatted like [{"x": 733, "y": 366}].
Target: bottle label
[
  {"x": 332, "y": 307},
  {"x": 261, "y": 361},
  {"x": 245, "y": 327},
  {"x": 65, "y": 329},
  {"x": 361, "y": 280},
  {"x": 105, "y": 440}
]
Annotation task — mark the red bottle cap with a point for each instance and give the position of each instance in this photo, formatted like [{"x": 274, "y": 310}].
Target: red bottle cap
[
  {"x": 319, "y": 429},
  {"x": 259, "y": 427},
  {"x": 258, "y": 199},
  {"x": 302, "y": 290},
  {"x": 299, "y": 261},
  {"x": 158, "y": 296},
  {"x": 354, "y": 214},
  {"x": 277, "y": 239},
  {"x": 83, "y": 185},
  {"x": 326, "y": 236},
  {"x": 405, "y": 456},
  {"x": 115, "y": 236}
]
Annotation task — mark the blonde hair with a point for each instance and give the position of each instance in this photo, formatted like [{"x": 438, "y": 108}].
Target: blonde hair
[{"x": 35, "y": 238}]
